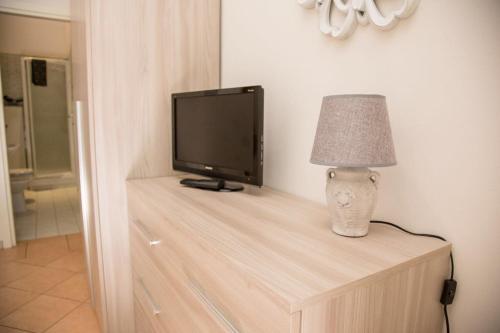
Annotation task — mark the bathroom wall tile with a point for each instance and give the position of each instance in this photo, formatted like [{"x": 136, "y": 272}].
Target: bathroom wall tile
[
  {"x": 61, "y": 199},
  {"x": 67, "y": 228},
  {"x": 26, "y": 219},
  {"x": 46, "y": 231},
  {"x": 50, "y": 213},
  {"x": 11, "y": 75},
  {"x": 65, "y": 214},
  {"x": 74, "y": 197},
  {"x": 23, "y": 234},
  {"x": 46, "y": 214},
  {"x": 46, "y": 225},
  {"x": 25, "y": 224},
  {"x": 66, "y": 221}
]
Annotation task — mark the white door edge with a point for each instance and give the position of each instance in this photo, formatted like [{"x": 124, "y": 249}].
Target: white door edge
[{"x": 7, "y": 227}]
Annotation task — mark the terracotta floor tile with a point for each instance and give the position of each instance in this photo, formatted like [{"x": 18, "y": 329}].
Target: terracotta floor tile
[
  {"x": 81, "y": 320},
  {"x": 75, "y": 242},
  {"x": 22, "y": 278},
  {"x": 39, "y": 314},
  {"x": 11, "y": 299},
  {"x": 75, "y": 288},
  {"x": 13, "y": 271},
  {"x": 45, "y": 250},
  {"x": 55, "y": 240},
  {"x": 17, "y": 252},
  {"x": 41, "y": 280},
  {"x": 73, "y": 262},
  {"x": 4, "y": 329}
]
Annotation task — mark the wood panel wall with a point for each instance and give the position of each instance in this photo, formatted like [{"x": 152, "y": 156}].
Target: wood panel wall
[
  {"x": 81, "y": 81},
  {"x": 140, "y": 51}
]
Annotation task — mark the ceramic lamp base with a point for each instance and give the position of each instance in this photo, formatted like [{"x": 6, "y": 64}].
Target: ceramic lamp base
[{"x": 351, "y": 194}]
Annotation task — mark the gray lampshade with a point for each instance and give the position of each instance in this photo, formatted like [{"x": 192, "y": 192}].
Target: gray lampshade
[{"x": 353, "y": 131}]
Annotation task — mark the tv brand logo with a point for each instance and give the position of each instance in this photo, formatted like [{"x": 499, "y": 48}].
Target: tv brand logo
[{"x": 208, "y": 167}]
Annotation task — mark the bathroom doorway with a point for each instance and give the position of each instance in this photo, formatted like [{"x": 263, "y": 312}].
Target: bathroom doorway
[
  {"x": 44, "y": 248},
  {"x": 40, "y": 138},
  {"x": 49, "y": 118}
]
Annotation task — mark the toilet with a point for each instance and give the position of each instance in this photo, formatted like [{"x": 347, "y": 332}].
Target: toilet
[{"x": 19, "y": 181}]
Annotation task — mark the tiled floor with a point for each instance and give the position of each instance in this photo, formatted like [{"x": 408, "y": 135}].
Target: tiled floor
[
  {"x": 50, "y": 213},
  {"x": 43, "y": 287}
]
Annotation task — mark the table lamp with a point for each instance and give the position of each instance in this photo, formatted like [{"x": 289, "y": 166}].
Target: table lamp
[{"x": 353, "y": 134}]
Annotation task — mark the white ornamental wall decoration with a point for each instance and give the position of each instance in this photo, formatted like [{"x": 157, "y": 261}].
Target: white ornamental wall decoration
[{"x": 356, "y": 11}]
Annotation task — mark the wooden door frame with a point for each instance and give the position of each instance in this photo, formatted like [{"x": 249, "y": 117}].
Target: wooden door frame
[{"x": 6, "y": 225}]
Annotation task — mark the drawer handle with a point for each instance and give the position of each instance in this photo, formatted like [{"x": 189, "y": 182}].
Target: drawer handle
[
  {"x": 211, "y": 305},
  {"x": 154, "y": 307},
  {"x": 152, "y": 240}
]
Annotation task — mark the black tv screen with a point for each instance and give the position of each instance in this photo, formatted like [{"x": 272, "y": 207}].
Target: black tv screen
[{"x": 218, "y": 133}]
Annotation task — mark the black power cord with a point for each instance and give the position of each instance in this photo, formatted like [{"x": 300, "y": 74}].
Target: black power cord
[{"x": 450, "y": 285}]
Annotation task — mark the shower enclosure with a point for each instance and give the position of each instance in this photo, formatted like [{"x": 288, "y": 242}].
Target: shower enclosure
[{"x": 49, "y": 121}]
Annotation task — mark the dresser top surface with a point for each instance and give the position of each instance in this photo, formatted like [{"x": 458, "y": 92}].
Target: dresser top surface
[{"x": 285, "y": 241}]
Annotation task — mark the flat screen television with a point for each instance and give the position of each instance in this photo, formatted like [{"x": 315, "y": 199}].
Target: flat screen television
[{"x": 219, "y": 133}]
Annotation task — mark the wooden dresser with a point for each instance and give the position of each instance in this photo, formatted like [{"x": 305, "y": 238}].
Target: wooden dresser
[{"x": 266, "y": 261}]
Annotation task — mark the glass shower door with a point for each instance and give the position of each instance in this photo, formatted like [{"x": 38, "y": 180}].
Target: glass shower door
[{"x": 50, "y": 118}]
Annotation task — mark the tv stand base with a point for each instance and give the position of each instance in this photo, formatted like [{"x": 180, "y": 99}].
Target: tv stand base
[{"x": 212, "y": 184}]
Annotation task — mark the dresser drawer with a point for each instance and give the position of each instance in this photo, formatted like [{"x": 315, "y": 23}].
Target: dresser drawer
[
  {"x": 262, "y": 261},
  {"x": 244, "y": 304},
  {"x": 170, "y": 304},
  {"x": 143, "y": 324}
]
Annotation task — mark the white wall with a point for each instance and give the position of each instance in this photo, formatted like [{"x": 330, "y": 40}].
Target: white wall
[
  {"x": 440, "y": 71},
  {"x": 32, "y": 36},
  {"x": 56, "y": 9}
]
